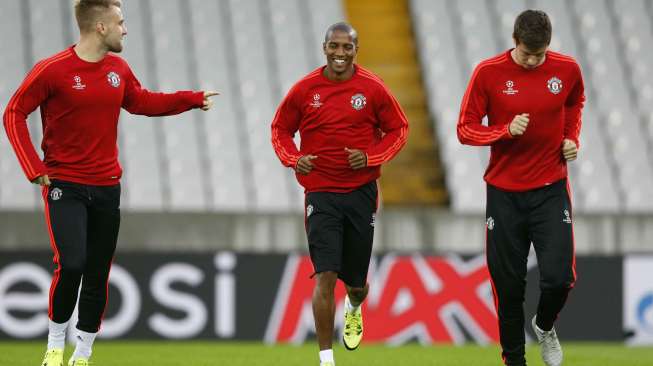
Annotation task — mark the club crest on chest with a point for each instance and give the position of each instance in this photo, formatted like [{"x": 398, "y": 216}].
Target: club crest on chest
[
  {"x": 358, "y": 101},
  {"x": 555, "y": 85},
  {"x": 113, "y": 79}
]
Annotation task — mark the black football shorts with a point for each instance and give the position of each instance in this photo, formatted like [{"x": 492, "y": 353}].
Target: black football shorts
[{"x": 340, "y": 231}]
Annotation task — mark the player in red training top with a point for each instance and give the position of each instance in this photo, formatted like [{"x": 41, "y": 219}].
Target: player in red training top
[
  {"x": 80, "y": 91},
  {"x": 533, "y": 99},
  {"x": 349, "y": 124}
]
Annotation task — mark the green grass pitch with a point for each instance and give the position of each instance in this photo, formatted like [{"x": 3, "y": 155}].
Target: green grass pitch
[{"x": 123, "y": 353}]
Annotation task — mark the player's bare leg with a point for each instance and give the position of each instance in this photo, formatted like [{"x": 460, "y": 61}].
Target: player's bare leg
[{"x": 324, "y": 309}]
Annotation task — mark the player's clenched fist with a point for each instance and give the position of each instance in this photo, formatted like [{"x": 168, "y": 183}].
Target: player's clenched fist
[
  {"x": 519, "y": 124},
  {"x": 357, "y": 159},
  {"x": 305, "y": 164},
  {"x": 569, "y": 150}
]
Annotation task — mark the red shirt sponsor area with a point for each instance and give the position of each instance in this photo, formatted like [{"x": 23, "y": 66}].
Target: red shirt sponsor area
[{"x": 428, "y": 299}]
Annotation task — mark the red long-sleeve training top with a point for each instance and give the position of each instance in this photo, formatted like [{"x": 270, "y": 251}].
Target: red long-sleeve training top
[
  {"x": 553, "y": 95},
  {"x": 359, "y": 113},
  {"x": 80, "y": 104}
]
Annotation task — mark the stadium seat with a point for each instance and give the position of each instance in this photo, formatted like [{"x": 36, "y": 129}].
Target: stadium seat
[
  {"x": 223, "y": 161},
  {"x": 139, "y": 136},
  {"x": 563, "y": 38},
  {"x": 507, "y": 11},
  {"x": 226, "y": 150},
  {"x": 15, "y": 190}
]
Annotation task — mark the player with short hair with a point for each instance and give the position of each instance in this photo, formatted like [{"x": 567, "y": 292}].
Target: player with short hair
[
  {"x": 533, "y": 99},
  {"x": 80, "y": 91},
  {"x": 349, "y": 124}
]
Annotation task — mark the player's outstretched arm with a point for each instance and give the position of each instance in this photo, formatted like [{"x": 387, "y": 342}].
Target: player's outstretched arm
[{"x": 138, "y": 100}]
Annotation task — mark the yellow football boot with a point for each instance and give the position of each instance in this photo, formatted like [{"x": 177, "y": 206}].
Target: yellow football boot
[
  {"x": 353, "y": 333},
  {"x": 53, "y": 357}
]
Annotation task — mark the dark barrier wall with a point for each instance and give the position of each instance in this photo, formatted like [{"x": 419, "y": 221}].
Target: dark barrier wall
[{"x": 225, "y": 295}]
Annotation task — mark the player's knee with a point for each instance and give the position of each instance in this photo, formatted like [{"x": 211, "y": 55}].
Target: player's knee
[
  {"x": 73, "y": 267},
  {"x": 511, "y": 305},
  {"x": 512, "y": 292},
  {"x": 556, "y": 283},
  {"x": 357, "y": 293}
]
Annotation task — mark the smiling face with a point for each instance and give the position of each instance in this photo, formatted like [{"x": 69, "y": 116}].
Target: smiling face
[{"x": 340, "y": 51}]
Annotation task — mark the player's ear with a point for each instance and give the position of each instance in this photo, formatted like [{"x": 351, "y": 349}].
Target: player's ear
[
  {"x": 324, "y": 47},
  {"x": 99, "y": 27}
]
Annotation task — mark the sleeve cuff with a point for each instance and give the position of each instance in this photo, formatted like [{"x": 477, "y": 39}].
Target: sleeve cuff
[
  {"x": 198, "y": 99},
  {"x": 40, "y": 172},
  {"x": 294, "y": 161},
  {"x": 508, "y": 134},
  {"x": 369, "y": 163}
]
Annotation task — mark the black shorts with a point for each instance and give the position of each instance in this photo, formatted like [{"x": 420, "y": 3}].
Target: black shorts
[{"x": 340, "y": 231}]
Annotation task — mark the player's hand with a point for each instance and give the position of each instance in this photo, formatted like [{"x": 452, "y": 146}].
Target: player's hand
[
  {"x": 357, "y": 158},
  {"x": 208, "y": 103},
  {"x": 569, "y": 150},
  {"x": 43, "y": 180},
  {"x": 519, "y": 124},
  {"x": 305, "y": 164}
]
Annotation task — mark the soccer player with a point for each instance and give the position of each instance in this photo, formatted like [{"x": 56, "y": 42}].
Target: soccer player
[
  {"x": 533, "y": 99},
  {"x": 349, "y": 124},
  {"x": 80, "y": 91}
]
